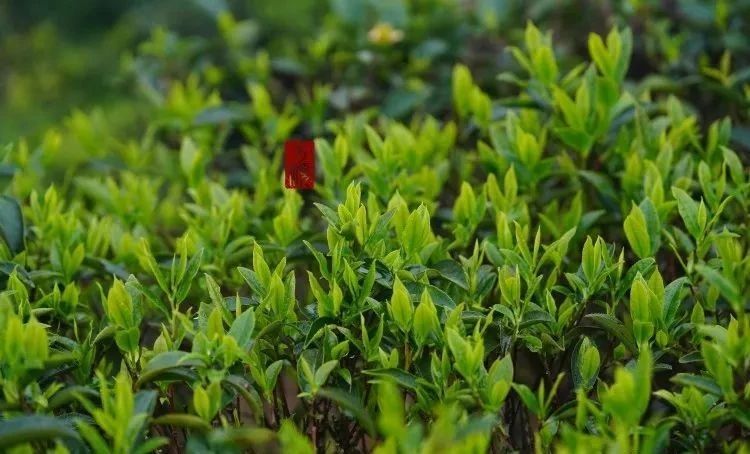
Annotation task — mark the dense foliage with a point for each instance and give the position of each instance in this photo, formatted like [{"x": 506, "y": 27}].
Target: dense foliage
[{"x": 519, "y": 239}]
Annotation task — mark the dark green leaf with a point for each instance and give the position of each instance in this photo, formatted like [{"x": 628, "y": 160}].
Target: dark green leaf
[
  {"x": 453, "y": 272},
  {"x": 318, "y": 324},
  {"x": 351, "y": 404},
  {"x": 615, "y": 328},
  {"x": 163, "y": 363},
  {"x": 703, "y": 383},
  {"x": 11, "y": 224},
  {"x": 727, "y": 288},
  {"x": 34, "y": 428},
  {"x": 534, "y": 317},
  {"x": 400, "y": 376}
]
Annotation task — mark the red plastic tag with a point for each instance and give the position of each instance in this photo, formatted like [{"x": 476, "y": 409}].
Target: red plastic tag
[{"x": 299, "y": 164}]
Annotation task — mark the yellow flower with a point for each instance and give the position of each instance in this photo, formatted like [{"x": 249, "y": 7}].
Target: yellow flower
[{"x": 384, "y": 34}]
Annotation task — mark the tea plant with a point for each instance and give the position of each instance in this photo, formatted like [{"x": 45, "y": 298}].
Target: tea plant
[{"x": 565, "y": 269}]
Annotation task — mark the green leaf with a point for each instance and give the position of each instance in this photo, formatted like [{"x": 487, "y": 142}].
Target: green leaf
[
  {"x": 223, "y": 114},
  {"x": 367, "y": 285},
  {"x": 242, "y": 329},
  {"x": 93, "y": 438},
  {"x": 214, "y": 291},
  {"x": 577, "y": 140},
  {"x": 183, "y": 287},
  {"x": 399, "y": 376},
  {"x": 145, "y": 402},
  {"x": 672, "y": 299},
  {"x": 534, "y": 317},
  {"x": 292, "y": 440},
  {"x": 330, "y": 215},
  {"x": 600, "y": 55},
  {"x": 248, "y": 393},
  {"x": 380, "y": 231},
  {"x": 351, "y": 404},
  {"x": 269, "y": 329},
  {"x": 614, "y": 327},
  {"x": 734, "y": 164},
  {"x": 479, "y": 425},
  {"x": 155, "y": 300},
  {"x": 698, "y": 381},
  {"x": 688, "y": 209},
  {"x": 107, "y": 333},
  {"x": 151, "y": 445},
  {"x": 585, "y": 364},
  {"x": 425, "y": 319},
  {"x": 401, "y": 307},
  {"x": 190, "y": 160},
  {"x": 34, "y": 428},
  {"x": 653, "y": 224},
  {"x": 439, "y": 297},
  {"x": 164, "y": 363},
  {"x": 272, "y": 372},
  {"x": 727, "y": 288},
  {"x": 69, "y": 394},
  {"x": 462, "y": 84},
  {"x": 545, "y": 65},
  {"x": 607, "y": 92},
  {"x": 451, "y": 271},
  {"x": 528, "y": 398},
  {"x": 603, "y": 186},
  {"x": 11, "y": 224},
  {"x": 251, "y": 278},
  {"x": 260, "y": 267},
  {"x": 315, "y": 327},
  {"x": 185, "y": 420},
  {"x": 322, "y": 373},
  {"x": 242, "y": 436},
  {"x": 7, "y": 268},
  {"x": 643, "y": 266},
  {"x": 627, "y": 398},
  {"x": 320, "y": 258},
  {"x": 636, "y": 232}
]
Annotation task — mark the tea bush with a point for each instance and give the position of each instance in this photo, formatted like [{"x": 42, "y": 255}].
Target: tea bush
[{"x": 550, "y": 257}]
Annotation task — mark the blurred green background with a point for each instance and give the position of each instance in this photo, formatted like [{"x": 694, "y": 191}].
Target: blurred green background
[
  {"x": 56, "y": 56},
  {"x": 110, "y": 57}
]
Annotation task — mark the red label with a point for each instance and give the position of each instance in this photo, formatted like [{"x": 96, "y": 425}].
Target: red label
[{"x": 299, "y": 164}]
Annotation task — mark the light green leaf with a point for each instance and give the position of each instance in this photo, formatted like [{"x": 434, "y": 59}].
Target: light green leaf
[
  {"x": 688, "y": 209},
  {"x": 636, "y": 232},
  {"x": 321, "y": 375}
]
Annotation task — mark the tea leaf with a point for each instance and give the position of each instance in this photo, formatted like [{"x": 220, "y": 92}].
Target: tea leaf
[
  {"x": 11, "y": 224},
  {"x": 34, "y": 428}
]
